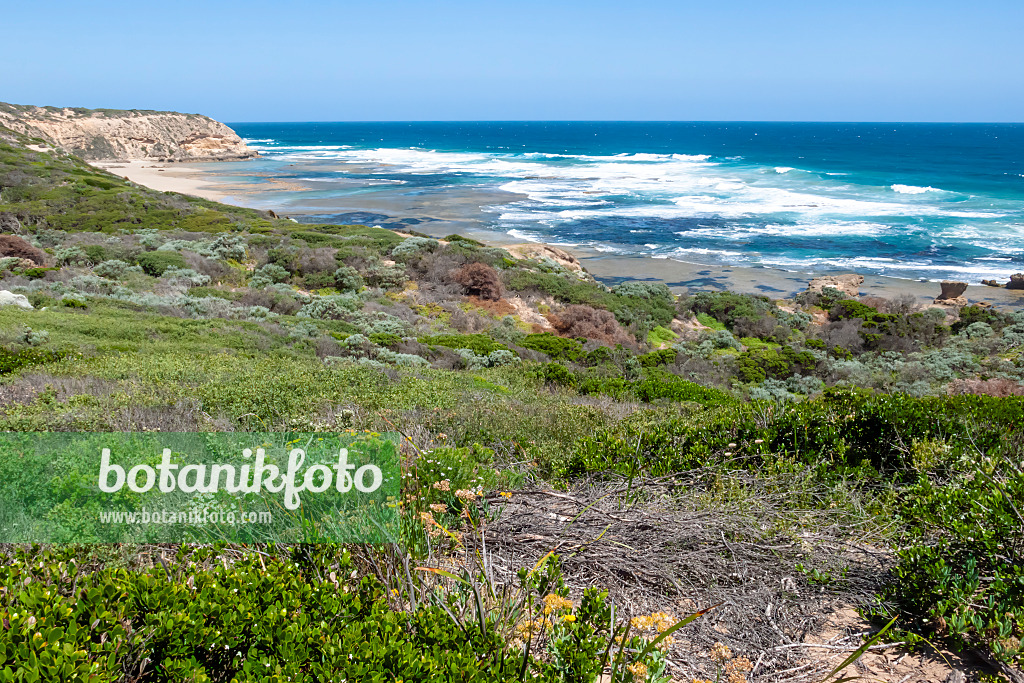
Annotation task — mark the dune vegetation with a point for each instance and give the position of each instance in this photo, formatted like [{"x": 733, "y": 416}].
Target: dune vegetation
[{"x": 585, "y": 467}]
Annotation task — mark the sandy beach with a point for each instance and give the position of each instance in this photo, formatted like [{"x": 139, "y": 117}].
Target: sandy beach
[
  {"x": 166, "y": 178},
  {"x": 448, "y": 210}
]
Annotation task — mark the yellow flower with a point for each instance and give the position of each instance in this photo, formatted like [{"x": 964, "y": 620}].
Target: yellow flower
[
  {"x": 554, "y": 602},
  {"x": 505, "y": 494},
  {"x": 641, "y": 623},
  {"x": 663, "y": 621},
  {"x": 739, "y": 664},
  {"x": 639, "y": 671},
  {"x": 719, "y": 653},
  {"x": 569, "y": 618}
]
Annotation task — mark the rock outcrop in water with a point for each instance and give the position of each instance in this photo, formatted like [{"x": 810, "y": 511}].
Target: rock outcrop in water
[
  {"x": 1016, "y": 281},
  {"x": 124, "y": 135}
]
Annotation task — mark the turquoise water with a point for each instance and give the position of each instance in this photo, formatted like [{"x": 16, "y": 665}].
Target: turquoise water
[{"x": 918, "y": 201}]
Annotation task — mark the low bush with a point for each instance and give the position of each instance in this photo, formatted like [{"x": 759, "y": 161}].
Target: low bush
[
  {"x": 156, "y": 262},
  {"x": 590, "y": 323},
  {"x": 961, "y": 577},
  {"x": 479, "y": 344},
  {"x": 728, "y": 307},
  {"x": 14, "y": 246},
  {"x": 756, "y": 365},
  {"x": 558, "y": 348},
  {"x": 479, "y": 279},
  {"x": 12, "y": 360}
]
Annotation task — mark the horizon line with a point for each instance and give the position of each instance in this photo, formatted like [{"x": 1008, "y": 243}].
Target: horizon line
[{"x": 745, "y": 121}]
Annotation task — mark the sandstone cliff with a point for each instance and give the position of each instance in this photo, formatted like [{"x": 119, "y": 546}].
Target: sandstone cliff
[{"x": 122, "y": 135}]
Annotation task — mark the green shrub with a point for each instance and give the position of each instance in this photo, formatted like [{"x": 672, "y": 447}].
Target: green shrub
[
  {"x": 385, "y": 339},
  {"x": 269, "y": 274},
  {"x": 756, "y": 365},
  {"x": 848, "y": 308},
  {"x": 962, "y": 574},
  {"x": 661, "y": 335},
  {"x": 556, "y": 373},
  {"x": 348, "y": 279},
  {"x": 480, "y": 344},
  {"x": 656, "y": 358},
  {"x": 558, "y": 348},
  {"x": 156, "y": 262},
  {"x": 12, "y": 360},
  {"x": 459, "y": 239},
  {"x": 36, "y": 273},
  {"x": 255, "y": 619},
  {"x": 729, "y": 307},
  {"x": 644, "y": 290}
]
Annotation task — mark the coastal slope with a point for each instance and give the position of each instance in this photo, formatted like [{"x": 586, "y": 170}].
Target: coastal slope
[{"x": 95, "y": 134}]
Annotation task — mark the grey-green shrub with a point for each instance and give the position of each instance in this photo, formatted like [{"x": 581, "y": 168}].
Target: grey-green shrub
[
  {"x": 269, "y": 274},
  {"x": 386, "y": 277},
  {"x": 772, "y": 390},
  {"x": 114, "y": 269},
  {"x": 644, "y": 290},
  {"x": 411, "y": 246},
  {"x": 348, "y": 279},
  {"x": 70, "y": 256},
  {"x": 334, "y": 307},
  {"x": 979, "y": 330},
  {"x": 186, "y": 276}
]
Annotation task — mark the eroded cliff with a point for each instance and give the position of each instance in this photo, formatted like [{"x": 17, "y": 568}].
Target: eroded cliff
[{"x": 124, "y": 134}]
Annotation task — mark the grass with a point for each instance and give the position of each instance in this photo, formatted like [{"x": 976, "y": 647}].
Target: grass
[
  {"x": 709, "y": 321},
  {"x": 661, "y": 336}
]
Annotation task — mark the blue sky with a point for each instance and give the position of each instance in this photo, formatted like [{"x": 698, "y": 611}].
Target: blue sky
[{"x": 376, "y": 60}]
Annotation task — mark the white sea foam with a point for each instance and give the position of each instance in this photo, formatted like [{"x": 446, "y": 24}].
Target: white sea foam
[
  {"x": 743, "y": 203},
  {"x": 609, "y": 249},
  {"x": 913, "y": 189},
  {"x": 524, "y": 235}
]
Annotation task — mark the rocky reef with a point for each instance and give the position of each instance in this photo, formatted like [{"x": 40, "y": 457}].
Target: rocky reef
[{"x": 127, "y": 134}]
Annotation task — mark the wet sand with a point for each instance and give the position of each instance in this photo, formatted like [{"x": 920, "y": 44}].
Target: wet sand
[{"x": 468, "y": 211}]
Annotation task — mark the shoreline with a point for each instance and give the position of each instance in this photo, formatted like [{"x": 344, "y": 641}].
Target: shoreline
[{"x": 443, "y": 215}]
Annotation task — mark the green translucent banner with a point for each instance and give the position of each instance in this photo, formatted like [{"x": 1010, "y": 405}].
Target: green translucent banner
[{"x": 198, "y": 487}]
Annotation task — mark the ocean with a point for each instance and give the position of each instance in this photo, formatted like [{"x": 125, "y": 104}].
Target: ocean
[{"x": 913, "y": 201}]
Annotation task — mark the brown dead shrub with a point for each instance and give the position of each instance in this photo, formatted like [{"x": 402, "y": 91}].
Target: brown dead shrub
[
  {"x": 1000, "y": 388},
  {"x": 276, "y": 302},
  {"x": 317, "y": 260},
  {"x": 499, "y": 307},
  {"x": 12, "y": 245},
  {"x": 217, "y": 271},
  {"x": 479, "y": 279},
  {"x": 592, "y": 323}
]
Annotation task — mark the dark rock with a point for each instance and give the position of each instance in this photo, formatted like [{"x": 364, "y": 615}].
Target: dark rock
[
  {"x": 9, "y": 223},
  {"x": 991, "y": 283},
  {"x": 951, "y": 290},
  {"x": 1016, "y": 281}
]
